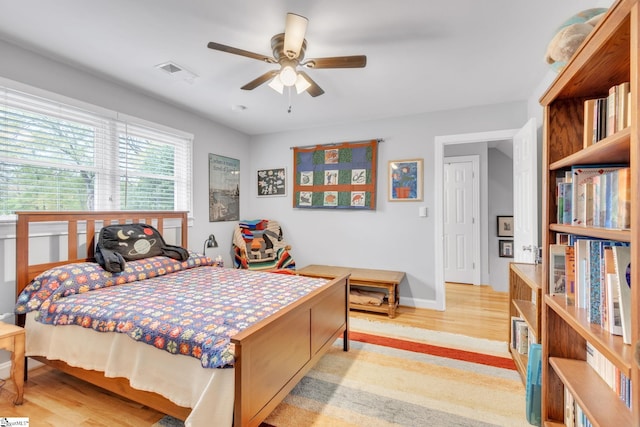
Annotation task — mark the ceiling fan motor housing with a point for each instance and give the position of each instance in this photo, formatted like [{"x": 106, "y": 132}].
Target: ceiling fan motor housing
[{"x": 277, "y": 46}]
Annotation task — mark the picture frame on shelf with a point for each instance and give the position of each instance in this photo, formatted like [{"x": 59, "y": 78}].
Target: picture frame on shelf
[
  {"x": 271, "y": 182},
  {"x": 405, "y": 180},
  {"x": 505, "y": 248},
  {"x": 505, "y": 226}
]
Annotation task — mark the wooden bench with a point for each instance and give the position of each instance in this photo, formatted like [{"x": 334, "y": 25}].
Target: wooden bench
[{"x": 363, "y": 278}]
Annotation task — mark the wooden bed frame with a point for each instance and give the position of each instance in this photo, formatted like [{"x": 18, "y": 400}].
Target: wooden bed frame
[{"x": 272, "y": 356}]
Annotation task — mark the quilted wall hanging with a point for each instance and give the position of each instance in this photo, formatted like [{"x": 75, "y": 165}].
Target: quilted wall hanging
[{"x": 335, "y": 176}]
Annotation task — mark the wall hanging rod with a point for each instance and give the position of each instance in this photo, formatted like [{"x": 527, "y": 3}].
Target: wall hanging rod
[{"x": 379, "y": 140}]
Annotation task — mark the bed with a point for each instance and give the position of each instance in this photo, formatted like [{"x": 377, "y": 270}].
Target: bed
[{"x": 270, "y": 356}]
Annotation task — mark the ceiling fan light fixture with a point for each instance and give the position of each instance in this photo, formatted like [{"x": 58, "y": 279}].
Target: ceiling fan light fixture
[
  {"x": 288, "y": 75},
  {"x": 302, "y": 84},
  {"x": 277, "y": 85},
  {"x": 295, "y": 29}
]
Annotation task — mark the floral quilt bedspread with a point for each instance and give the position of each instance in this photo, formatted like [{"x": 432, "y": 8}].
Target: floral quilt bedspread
[{"x": 189, "y": 307}]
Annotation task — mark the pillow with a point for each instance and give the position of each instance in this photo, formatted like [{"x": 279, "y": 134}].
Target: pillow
[{"x": 120, "y": 243}]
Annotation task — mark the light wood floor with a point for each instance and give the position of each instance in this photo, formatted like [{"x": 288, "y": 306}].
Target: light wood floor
[{"x": 56, "y": 399}]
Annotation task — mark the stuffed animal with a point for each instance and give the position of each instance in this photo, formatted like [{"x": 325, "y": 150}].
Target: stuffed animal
[
  {"x": 570, "y": 35},
  {"x": 119, "y": 243}
]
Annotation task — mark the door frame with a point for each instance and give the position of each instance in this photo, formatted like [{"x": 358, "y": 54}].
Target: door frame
[
  {"x": 439, "y": 143},
  {"x": 474, "y": 159}
]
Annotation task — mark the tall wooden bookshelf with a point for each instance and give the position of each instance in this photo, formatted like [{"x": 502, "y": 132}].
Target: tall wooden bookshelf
[{"x": 608, "y": 57}]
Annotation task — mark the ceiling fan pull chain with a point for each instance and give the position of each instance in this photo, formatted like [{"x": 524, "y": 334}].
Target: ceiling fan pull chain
[{"x": 289, "y": 91}]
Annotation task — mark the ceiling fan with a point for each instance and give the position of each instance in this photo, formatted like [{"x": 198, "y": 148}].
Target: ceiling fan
[{"x": 288, "y": 51}]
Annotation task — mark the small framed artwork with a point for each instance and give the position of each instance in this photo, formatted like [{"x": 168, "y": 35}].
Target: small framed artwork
[
  {"x": 557, "y": 270},
  {"x": 505, "y": 226},
  {"x": 272, "y": 182},
  {"x": 405, "y": 180},
  {"x": 505, "y": 248}
]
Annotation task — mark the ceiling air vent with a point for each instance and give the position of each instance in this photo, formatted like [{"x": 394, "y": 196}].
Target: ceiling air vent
[{"x": 177, "y": 71}]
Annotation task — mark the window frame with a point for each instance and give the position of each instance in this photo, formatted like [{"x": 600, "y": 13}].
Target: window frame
[{"x": 107, "y": 169}]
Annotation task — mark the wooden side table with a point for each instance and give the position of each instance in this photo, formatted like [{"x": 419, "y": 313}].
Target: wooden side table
[
  {"x": 12, "y": 339},
  {"x": 363, "y": 277}
]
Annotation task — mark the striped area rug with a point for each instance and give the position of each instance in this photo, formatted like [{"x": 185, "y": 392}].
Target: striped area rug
[
  {"x": 389, "y": 381},
  {"x": 401, "y": 376}
]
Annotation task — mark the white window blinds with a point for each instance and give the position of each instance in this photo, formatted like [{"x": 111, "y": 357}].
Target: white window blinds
[{"x": 55, "y": 156}]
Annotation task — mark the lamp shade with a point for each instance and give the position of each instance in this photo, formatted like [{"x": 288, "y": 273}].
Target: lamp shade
[
  {"x": 302, "y": 84},
  {"x": 288, "y": 75},
  {"x": 295, "y": 29},
  {"x": 276, "y": 84}
]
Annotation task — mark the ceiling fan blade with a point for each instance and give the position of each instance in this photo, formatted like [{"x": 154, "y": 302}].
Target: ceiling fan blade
[
  {"x": 313, "y": 90},
  {"x": 356, "y": 61},
  {"x": 241, "y": 52},
  {"x": 257, "y": 82},
  {"x": 294, "y": 31}
]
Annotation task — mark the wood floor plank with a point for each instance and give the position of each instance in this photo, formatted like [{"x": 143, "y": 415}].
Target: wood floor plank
[{"x": 54, "y": 399}]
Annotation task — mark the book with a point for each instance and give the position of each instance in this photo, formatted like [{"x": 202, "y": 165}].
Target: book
[
  {"x": 582, "y": 272},
  {"x": 570, "y": 275},
  {"x": 567, "y": 211},
  {"x": 624, "y": 198},
  {"x": 622, "y": 262},
  {"x": 613, "y": 301},
  {"x": 583, "y": 174},
  {"x": 589, "y": 124},
  {"x": 522, "y": 339},
  {"x": 622, "y": 95},
  {"x": 594, "y": 312},
  {"x": 612, "y": 107}
]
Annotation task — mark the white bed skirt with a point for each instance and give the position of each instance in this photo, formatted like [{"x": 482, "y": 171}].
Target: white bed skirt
[{"x": 179, "y": 378}]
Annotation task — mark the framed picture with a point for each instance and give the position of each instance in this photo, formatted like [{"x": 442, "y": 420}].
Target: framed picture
[
  {"x": 272, "y": 182},
  {"x": 224, "y": 188},
  {"x": 505, "y": 248},
  {"x": 505, "y": 226},
  {"x": 557, "y": 270},
  {"x": 405, "y": 180}
]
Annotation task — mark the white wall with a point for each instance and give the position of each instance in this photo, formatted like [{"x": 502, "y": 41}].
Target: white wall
[
  {"x": 500, "y": 203},
  {"x": 393, "y": 236}
]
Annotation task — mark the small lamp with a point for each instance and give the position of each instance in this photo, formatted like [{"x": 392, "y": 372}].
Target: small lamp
[{"x": 209, "y": 243}]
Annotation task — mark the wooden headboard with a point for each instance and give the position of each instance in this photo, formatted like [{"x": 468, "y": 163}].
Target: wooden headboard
[{"x": 78, "y": 223}]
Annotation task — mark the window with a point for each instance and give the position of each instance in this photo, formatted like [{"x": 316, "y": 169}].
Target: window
[{"x": 60, "y": 157}]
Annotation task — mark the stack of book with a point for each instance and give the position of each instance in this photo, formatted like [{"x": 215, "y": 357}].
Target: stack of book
[
  {"x": 595, "y": 196},
  {"x": 607, "y": 115},
  {"x": 521, "y": 337},
  {"x": 593, "y": 274}
]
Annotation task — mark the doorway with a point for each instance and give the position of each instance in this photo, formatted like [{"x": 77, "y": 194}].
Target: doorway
[{"x": 440, "y": 143}]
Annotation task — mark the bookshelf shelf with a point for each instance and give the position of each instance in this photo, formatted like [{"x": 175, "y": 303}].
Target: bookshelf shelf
[
  {"x": 613, "y": 149},
  {"x": 611, "y": 346},
  {"x": 609, "y": 57},
  {"x": 598, "y": 233},
  {"x": 525, "y": 291},
  {"x": 590, "y": 391}
]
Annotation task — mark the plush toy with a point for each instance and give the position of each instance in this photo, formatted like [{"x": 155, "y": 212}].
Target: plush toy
[
  {"x": 119, "y": 243},
  {"x": 570, "y": 35}
]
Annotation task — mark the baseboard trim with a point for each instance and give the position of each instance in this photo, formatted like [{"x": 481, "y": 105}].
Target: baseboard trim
[
  {"x": 420, "y": 303},
  {"x": 5, "y": 368}
]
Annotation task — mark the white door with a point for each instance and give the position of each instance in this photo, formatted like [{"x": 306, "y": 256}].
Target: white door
[
  {"x": 525, "y": 193},
  {"x": 461, "y": 236}
]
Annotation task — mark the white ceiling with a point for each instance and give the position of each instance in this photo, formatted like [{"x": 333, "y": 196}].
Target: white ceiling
[{"x": 422, "y": 55}]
